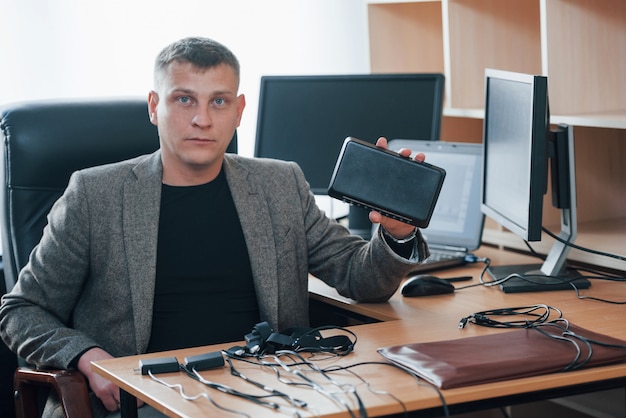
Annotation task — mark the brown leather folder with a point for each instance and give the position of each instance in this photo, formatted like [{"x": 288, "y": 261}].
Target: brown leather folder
[{"x": 506, "y": 355}]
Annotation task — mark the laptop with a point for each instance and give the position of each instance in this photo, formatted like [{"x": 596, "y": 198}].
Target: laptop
[{"x": 456, "y": 225}]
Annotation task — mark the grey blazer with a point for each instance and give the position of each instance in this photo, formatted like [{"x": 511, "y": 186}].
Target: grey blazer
[{"x": 90, "y": 281}]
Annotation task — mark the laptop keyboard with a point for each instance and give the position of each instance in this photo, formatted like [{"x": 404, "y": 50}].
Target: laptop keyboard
[
  {"x": 438, "y": 256},
  {"x": 440, "y": 260}
]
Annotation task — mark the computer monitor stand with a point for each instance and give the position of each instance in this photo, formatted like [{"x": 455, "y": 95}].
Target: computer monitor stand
[
  {"x": 534, "y": 280},
  {"x": 553, "y": 274}
]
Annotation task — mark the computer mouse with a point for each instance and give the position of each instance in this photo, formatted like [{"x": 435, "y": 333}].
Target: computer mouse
[{"x": 426, "y": 285}]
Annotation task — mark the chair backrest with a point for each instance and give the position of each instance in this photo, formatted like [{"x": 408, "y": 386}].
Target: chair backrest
[{"x": 44, "y": 143}]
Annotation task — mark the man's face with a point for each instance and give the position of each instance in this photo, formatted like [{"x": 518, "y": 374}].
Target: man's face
[{"x": 197, "y": 112}]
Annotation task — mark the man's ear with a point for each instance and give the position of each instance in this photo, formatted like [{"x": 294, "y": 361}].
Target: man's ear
[
  {"x": 153, "y": 101},
  {"x": 241, "y": 104}
]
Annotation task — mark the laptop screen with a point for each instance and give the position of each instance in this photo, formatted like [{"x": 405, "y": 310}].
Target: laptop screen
[{"x": 457, "y": 220}]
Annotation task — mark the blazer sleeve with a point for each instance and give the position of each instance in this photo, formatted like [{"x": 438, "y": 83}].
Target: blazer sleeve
[
  {"x": 359, "y": 269},
  {"x": 35, "y": 315},
  {"x": 74, "y": 292}
]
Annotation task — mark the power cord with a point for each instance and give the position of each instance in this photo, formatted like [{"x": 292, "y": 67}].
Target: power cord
[
  {"x": 539, "y": 314},
  {"x": 595, "y": 275},
  {"x": 293, "y": 364},
  {"x": 471, "y": 259},
  {"x": 580, "y": 248},
  {"x": 257, "y": 399},
  {"x": 293, "y": 401},
  {"x": 186, "y": 397},
  {"x": 264, "y": 348},
  {"x": 529, "y": 277},
  {"x": 540, "y": 320}
]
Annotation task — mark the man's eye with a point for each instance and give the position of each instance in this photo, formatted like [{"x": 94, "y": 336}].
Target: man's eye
[
  {"x": 220, "y": 101},
  {"x": 184, "y": 99}
]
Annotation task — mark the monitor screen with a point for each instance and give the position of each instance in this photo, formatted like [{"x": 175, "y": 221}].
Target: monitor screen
[
  {"x": 306, "y": 118},
  {"x": 515, "y": 149},
  {"x": 518, "y": 147}
]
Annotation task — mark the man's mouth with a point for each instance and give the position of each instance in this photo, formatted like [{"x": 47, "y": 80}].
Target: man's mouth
[{"x": 197, "y": 139}]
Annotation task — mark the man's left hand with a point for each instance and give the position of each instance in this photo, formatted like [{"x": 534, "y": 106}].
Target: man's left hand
[{"x": 395, "y": 228}]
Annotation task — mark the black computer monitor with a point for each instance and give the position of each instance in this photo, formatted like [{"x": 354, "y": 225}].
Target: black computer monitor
[
  {"x": 519, "y": 146},
  {"x": 306, "y": 119}
]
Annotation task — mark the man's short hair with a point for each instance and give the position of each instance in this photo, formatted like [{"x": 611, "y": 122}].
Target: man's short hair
[{"x": 203, "y": 53}]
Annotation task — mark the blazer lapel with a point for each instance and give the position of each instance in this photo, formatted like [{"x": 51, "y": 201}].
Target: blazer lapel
[
  {"x": 254, "y": 215},
  {"x": 142, "y": 196}
]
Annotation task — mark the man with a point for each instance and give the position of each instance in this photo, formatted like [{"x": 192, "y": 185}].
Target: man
[{"x": 148, "y": 254}]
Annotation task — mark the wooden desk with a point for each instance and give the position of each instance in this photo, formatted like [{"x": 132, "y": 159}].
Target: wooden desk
[{"x": 404, "y": 320}]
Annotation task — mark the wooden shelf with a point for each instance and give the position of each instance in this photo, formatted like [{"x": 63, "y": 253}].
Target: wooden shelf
[
  {"x": 579, "y": 44},
  {"x": 615, "y": 120},
  {"x": 489, "y": 34},
  {"x": 585, "y": 59},
  {"x": 601, "y": 236},
  {"x": 393, "y": 29}
]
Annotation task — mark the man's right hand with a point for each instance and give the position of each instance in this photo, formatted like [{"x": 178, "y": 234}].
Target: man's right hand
[{"x": 104, "y": 389}]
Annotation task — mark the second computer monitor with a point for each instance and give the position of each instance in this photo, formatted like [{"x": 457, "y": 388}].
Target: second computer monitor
[{"x": 306, "y": 118}]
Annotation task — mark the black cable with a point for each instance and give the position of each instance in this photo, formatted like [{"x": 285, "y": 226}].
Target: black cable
[
  {"x": 574, "y": 364},
  {"x": 257, "y": 399},
  {"x": 534, "y": 253},
  {"x": 481, "y": 318},
  {"x": 196, "y": 397},
  {"x": 294, "y": 401},
  {"x": 557, "y": 280},
  {"x": 277, "y": 365},
  {"x": 342, "y": 344},
  {"x": 484, "y": 318},
  {"x": 319, "y": 388},
  {"x": 538, "y": 323},
  {"x": 580, "y": 248},
  {"x": 528, "y": 278},
  {"x": 614, "y": 302},
  {"x": 347, "y": 368},
  {"x": 481, "y": 282},
  {"x": 566, "y": 329},
  {"x": 418, "y": 379},
  {"x": 597, "y": 275}
]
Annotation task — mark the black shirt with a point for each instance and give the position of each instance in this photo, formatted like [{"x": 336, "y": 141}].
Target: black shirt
[{"x": 204, "y": 290}]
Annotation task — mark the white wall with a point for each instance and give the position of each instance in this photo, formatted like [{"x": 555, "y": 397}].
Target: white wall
[{"x": 82, "y": 48}]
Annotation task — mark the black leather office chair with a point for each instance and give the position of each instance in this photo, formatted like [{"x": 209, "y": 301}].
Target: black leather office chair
[{"x": 43, "y": 143}]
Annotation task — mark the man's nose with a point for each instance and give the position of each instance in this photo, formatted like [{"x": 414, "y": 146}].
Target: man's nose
[{"x": 202, "y": 117}]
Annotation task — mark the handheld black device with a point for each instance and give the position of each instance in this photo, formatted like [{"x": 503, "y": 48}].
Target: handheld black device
[{"x": 382, "y": 180}]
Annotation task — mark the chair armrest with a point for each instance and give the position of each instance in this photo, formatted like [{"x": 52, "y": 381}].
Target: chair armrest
[{"x": 70, "y": 386}]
